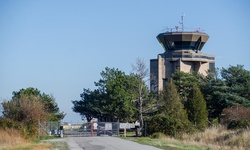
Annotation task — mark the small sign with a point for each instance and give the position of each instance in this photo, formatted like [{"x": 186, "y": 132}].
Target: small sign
[
  {"x": 124, "y": 125},
  {"x": 95, "y": 126},
  {"x": 108, "y": 126},
  {"x": 132, "y": 125}
]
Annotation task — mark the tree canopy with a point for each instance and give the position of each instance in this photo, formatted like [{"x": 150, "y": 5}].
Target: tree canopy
[
  {"x": 27, "y": 106},
  {"x": 48, "y": 101},
  {"x": 112, "y": 100},
  {"x": 197, "y": 110},
  {"x": 229, "y": 88},
  {"x": 171, "y": 117},
  {"x": 192, "y": 99}
]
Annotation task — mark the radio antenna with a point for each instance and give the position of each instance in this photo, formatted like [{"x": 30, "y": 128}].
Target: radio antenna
[{"x": 182, "y": 21}]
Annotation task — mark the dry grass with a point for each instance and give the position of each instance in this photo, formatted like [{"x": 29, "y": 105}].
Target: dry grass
[
  {"x": 11, "y": 139},
  {"x": 30, "y": 146},
  {"x": 220, "y": 138},
  {"x": 212, "y": 138}
]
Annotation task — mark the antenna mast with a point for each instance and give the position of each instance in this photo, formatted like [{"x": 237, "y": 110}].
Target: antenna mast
[{"x": 182, "y": 21}]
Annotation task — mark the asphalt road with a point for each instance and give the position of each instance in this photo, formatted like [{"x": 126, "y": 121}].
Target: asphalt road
[{"x": 104, "y": 143}]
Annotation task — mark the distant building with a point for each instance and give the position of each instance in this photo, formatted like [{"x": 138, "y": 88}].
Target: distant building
[{"x": 182, "y": 52}]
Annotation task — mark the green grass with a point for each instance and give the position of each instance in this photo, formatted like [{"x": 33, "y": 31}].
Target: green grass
[
  {"x": 164, "y": 144},
  {"x": 37, "y": 140},
  {"x": 56, "y": 142},
  {"x": 128, "y": 134},
  {"x": 62, "y": 145}
]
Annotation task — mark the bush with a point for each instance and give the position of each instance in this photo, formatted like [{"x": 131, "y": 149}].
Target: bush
[
  {"x": 238, "y": 124},
  {"x": 235, "y": 113},
  {"x": 23, "y": 113},
  {"x": 168, "y": 125},
  {"x": 29, "y": 130},
  {"x": 6, "y": 123},
  {"x": 158, "y": 135}
]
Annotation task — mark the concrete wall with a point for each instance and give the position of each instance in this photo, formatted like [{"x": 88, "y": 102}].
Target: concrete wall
[
  {"x": 186, "y": 66},
  {"x": 161, "y": 72},
  {"x": 204, "y": 68}
]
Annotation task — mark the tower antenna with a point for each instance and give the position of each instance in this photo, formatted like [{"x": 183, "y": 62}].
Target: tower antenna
[{"x": 182, "y": 21}]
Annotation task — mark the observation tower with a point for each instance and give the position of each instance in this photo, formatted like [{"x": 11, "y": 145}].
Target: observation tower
[{"x": 182, "y": 51}]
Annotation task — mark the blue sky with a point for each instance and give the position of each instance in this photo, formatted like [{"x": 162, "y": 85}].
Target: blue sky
[{"x": 60, "y": 47}]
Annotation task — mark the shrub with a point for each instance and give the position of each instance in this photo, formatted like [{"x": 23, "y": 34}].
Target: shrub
[
  {"x": 235, "y": 113},
  {"x": 8, "y": 123},
  {"x": 26, "y": 129},
  {"x": 23, "y": 113},
  {"x": 238, "y": 124},
  {"x": 158, "y": 135}
]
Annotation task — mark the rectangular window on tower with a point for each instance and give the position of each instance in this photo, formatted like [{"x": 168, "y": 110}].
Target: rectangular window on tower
[{"x": 211, "y": 66}]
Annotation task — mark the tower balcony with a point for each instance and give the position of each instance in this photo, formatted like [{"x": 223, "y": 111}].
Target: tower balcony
[{"x": 172, "y": 41}]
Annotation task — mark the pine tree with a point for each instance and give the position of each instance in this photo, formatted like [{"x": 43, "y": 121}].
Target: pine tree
[
  {"x": 174, "y": 117},
  {"x": 197, "y": 112}
]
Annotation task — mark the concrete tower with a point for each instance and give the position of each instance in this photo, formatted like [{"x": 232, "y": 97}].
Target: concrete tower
[{"x": 182, "y": 52}]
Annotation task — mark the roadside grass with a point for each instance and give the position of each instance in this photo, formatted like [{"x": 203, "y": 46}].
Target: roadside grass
[
  {"x": 37, "y": 140},
  {"x": 162, "y": 142},
  {"x": 128, "y": 134},
  {"x": 57, "y": 145},
  {"x": 55, "y": 142},
  {"x": 41, "y": 145},
  {"x": 165, "y": 144},
  {"x": 12, "y": 139},
  {"x": 220, "y": 138},
  {"x": 212, "y": 138},
  {"x": 30, "y": 146}
]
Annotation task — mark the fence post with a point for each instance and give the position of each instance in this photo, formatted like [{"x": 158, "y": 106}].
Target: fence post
[
  {"x": 124, "y": 130},
  {"x": 58, "y": 128},
  {"x": 38, "y": 128},
  {"x": 92, "y": 129},
  {"x": 118, "y": 128},
  {"x": 61, "y": 131}
]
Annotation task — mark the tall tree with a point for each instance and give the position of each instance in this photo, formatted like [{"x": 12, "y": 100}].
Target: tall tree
[
  {"x": 229, "y": 90},
  {"x": 112, "y": 100},
  {"x": 215, "y": 93},
  {"x": 119, "y": 93},
  {"x": 27, "y": 106},
  {"x": 89, "y": 105},
  {"x": 221, "y": 88},
  {"x": 196, "y": 108},
  {"x": 48, "y": 100},
  {"x": 184, "y": 83},
  {"x": 171, "y": 118},
  {"x": 141, "y": 72},
  {"x": 238, "y": 79}
]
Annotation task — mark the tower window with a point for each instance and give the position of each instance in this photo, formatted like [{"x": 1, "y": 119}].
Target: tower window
[{"x": 211, "y": 66}]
